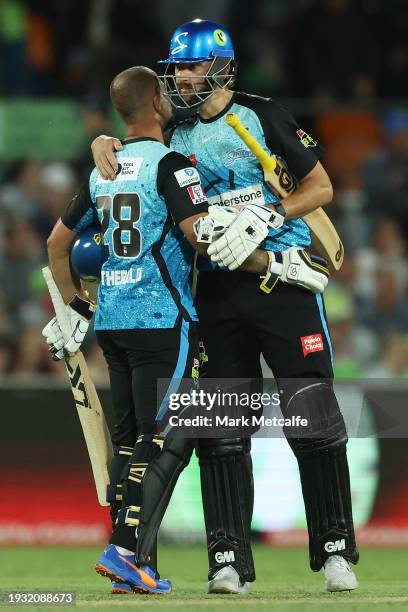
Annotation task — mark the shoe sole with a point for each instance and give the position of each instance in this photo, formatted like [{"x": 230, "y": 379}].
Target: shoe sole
[
  {"x": 107, "y": 573},
  {"x": 118, "y": 591},
  {"x": 225, "y": 589},
  {"x": 341, "y": 588}
]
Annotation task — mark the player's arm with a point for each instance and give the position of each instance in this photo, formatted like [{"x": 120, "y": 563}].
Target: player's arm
[
  {"x": 58, "y": 247},
  {"x": 179, "y": 183},
  {"x": 69, "y": 334},
  {"x": 79, "y": 214},
  {"x": 301, "y": 152},
  {"x": 187, "y": 227},
  {"x": 314, "y": 190}
]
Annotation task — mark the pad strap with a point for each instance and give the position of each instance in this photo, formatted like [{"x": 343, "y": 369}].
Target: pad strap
[
  {"x": 123, "y": 450},
  {"x": 129, "y": 516},
  {"x": 114, "y": 492}
]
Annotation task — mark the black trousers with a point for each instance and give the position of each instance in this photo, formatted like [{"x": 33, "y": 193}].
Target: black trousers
[
  {"x": 238, "y": 323},
  {"x": 288, "y": 327},
  {"x": 136, "y": 359}
]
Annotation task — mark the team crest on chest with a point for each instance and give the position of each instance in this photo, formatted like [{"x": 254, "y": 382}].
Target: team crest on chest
[{"x": 237, "y": 154}]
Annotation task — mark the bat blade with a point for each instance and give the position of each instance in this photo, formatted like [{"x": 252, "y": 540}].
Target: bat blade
[
  {"x": 282, "y": 184},
  {"x": 93, "y": 422},
  {"x": 325, "y": 237},
  {"x": 87, "y": 402}
]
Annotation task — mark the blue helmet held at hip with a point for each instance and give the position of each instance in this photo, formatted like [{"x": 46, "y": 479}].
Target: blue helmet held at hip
[
  {"x": 195, "y": 42},
  {"x": 88, "y": 254}
]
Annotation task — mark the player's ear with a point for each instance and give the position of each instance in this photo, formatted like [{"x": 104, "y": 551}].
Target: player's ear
[
  {"x": 158, "y": 96},
  {"x": 157, "y": 102}
]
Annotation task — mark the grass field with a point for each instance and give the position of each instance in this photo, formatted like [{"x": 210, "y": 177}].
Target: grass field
[{"x": 284, "y": 580}]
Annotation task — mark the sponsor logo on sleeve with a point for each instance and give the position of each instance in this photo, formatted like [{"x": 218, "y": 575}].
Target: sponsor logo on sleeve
[
  {"x": 128, "y": 170},
  {"x": 187, "y": 176},
  {"x": 305, "y": 139},
  {"x": 312, "y": 344},
  {"x": 196, "y": 193}
]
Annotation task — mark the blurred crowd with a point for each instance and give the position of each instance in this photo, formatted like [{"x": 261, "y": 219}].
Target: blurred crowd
[
  {"x": 353, "y": 52},
  {"x": 317, "y": 48}
]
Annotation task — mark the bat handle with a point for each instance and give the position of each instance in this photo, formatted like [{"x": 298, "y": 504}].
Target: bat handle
[
  {"x": 57, "y": 301},
  {"x": 267, "y": 162}
]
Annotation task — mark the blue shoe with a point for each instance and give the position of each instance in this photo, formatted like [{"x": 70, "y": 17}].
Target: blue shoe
[
  {"x": 120, "y": 568},
  {"x": 163, "y": 585},
  {"x": 121, "y": 588}
]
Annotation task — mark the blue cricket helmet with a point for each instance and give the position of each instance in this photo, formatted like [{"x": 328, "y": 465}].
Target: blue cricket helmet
[
  {"x": 88, "y": 254},
  {"x": 198, "y": 41},
  {"x": 194, "y": 42}
]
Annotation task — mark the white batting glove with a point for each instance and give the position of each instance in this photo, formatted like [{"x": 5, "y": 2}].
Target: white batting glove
[
  {"x": 69, "y": 337},
  {"x": 219, "y": 218},
  {"x": 244, "y": 235},
  {"x": 80, "y": 313},
  {"x": 54, "y": 338},
  {"x": 296, "y": 267}
]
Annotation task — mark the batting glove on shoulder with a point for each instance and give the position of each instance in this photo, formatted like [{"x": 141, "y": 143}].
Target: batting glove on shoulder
[
  {"x": 296, "y": 267},
  {"x": 245, "y": 234}
]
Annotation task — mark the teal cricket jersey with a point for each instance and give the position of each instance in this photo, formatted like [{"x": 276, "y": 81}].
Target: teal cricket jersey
[
  {"x": 145, "y": 281},
  {"x": 229, "y": 171}
]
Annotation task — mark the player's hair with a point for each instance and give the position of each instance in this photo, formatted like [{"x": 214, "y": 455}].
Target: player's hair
[{"x": 131, "y": 90}]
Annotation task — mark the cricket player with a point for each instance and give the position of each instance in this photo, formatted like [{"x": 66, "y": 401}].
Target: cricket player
[
  {"x": 239, "y": 322},
  {"x": 145, "y": 321}
]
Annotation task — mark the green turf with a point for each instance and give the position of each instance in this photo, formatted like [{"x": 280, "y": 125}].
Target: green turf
[{"x": 284, "y": 580}]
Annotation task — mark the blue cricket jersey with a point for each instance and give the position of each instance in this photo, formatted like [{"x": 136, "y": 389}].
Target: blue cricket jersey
[
  {"x": 229, "y": 171},
  {"x": 145, "y": 281}
]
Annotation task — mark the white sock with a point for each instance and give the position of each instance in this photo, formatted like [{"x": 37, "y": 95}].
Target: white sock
[{"x": 124, "y": 551}]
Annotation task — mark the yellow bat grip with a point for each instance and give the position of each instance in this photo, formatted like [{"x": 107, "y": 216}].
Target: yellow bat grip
[{"x": 267, "y": 162}]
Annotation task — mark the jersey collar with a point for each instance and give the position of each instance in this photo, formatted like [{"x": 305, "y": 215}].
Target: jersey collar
[
  {"x": 126, "y": 141},
  {"x": 221, "y": 113}
]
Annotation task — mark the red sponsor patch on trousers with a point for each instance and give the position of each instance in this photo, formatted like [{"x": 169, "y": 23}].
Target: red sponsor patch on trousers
[{"x": 312, "y": 344}]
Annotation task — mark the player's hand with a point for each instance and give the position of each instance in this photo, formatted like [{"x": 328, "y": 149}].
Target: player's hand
[
  {"x": 209, "y": 228},
  {"x": 297, "y": 267},
  {"x": 54, "y": 338},
  {"x": 69, "y": 334},
  {"x": 79, "y": 314},
  {"x": 247, "y": 231},
  {"x": 103, "y": 151}
]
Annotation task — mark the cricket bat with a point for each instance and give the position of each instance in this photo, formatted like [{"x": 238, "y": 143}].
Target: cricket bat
[
  {"x": 282, "y": 184},
  {"x": 87, "y": 402}
]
